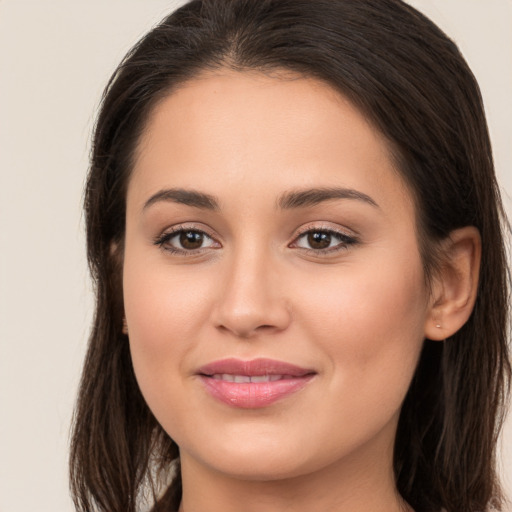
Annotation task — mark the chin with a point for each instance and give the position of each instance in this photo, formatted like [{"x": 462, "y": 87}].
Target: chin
[{"x": 263, "y": 467}]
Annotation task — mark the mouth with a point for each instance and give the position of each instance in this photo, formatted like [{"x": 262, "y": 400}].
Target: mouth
[
  {"x": 253, "y": 384},
  {"x": 248, "y": 378}
]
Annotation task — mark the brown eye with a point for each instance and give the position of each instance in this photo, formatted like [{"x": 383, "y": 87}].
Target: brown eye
[
  {"x": 324, "y": 241},
  {"x": 186, "y": 241},
  {"x": 191, "y": 239},
  {"x": 319, "y": 239}
]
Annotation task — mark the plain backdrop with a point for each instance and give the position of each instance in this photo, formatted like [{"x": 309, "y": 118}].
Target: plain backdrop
[{"x": 55, "y": 59}]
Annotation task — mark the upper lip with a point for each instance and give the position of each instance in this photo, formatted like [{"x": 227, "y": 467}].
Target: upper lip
[{"x": 260, "y": 366}]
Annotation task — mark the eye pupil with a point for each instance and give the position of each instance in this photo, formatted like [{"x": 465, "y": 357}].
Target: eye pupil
[
  {"x": 319, "y": 240},
  {"x": 191, "y": 239}
]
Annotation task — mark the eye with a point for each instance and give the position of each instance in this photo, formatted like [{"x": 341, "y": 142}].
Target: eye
[
  {"x": 184, "y": 241},
  {"x": 323, "y": 240}
]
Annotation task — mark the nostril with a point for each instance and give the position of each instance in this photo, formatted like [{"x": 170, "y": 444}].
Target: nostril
[
  {"x": 245, "y": 332},
  {"x": 247, "y": 311}
]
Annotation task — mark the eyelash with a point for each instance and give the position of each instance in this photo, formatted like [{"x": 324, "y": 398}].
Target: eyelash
[
  {"x": 163, "y": 240},
  {"x": 345, "y": 241}
]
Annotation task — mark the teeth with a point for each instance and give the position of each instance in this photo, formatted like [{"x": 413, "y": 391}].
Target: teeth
[
  {"x": 261, "y": 378},
  {"x": 246, "y": 378}
]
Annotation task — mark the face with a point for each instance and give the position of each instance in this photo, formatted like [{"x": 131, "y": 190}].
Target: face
[{"x": 273, "y": 286}]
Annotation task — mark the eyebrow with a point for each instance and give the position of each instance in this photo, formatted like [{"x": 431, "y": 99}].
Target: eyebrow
[
  {"x": 182, "y": 196},
  {"x": 312, "y": 197},
  {"x": 288, "y": 201}
]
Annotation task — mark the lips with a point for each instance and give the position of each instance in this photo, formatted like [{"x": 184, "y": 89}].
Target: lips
[{"x": 253, "y": 384}]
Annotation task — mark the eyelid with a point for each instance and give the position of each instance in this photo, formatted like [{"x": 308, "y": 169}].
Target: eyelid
[
  {"x": 348, "y": 237},
  {"x": 171, "y": 232},
  {"x": 326, "y": 226}
]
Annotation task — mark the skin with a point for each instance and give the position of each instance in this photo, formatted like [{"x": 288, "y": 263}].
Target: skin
[{"x": 255, "y": 288}]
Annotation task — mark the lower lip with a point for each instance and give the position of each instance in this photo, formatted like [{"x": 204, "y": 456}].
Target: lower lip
[{"x": 253, "y": 395}]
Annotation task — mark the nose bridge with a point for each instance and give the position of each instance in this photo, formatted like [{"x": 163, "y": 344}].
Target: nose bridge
[{"x": 251, "y": 299}]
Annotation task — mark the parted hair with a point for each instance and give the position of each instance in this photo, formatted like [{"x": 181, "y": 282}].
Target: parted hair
[{"x": 410, "y": 80}]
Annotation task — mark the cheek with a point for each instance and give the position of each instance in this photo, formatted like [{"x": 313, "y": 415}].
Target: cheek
[
  {"x": 370, "y": 323},
  {"x": 165, "y": 310}
]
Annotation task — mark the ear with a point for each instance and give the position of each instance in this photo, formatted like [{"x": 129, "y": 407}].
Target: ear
[{"x": 455, "y": 285}]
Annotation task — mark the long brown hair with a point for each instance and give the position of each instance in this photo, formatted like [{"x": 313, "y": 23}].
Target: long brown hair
[{"x": 411, "y": 81}]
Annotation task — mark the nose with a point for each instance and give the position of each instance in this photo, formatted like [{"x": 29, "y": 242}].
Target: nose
[{"x": 252, "y": 301}]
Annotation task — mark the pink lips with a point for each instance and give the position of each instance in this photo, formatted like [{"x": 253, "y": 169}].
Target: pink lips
[{"x": 252, "y": 384}]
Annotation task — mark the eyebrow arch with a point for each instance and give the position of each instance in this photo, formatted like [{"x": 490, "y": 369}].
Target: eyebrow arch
[
  {"x": 182, "y": 196},
  {"x": 289, "y": 200},
  {"x": 314, "y": 196}
]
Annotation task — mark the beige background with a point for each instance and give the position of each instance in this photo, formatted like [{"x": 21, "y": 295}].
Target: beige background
[{"x": 55, "y": 58}]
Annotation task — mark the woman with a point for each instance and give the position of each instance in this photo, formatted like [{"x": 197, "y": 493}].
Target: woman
[{"x": 296, "y": 237}]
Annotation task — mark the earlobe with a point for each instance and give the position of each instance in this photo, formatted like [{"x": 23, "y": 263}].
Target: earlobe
[{"x": 455, "y": 285}]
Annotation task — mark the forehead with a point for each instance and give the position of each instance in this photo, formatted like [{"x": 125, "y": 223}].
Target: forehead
[{"x": 262, "y": 132}]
